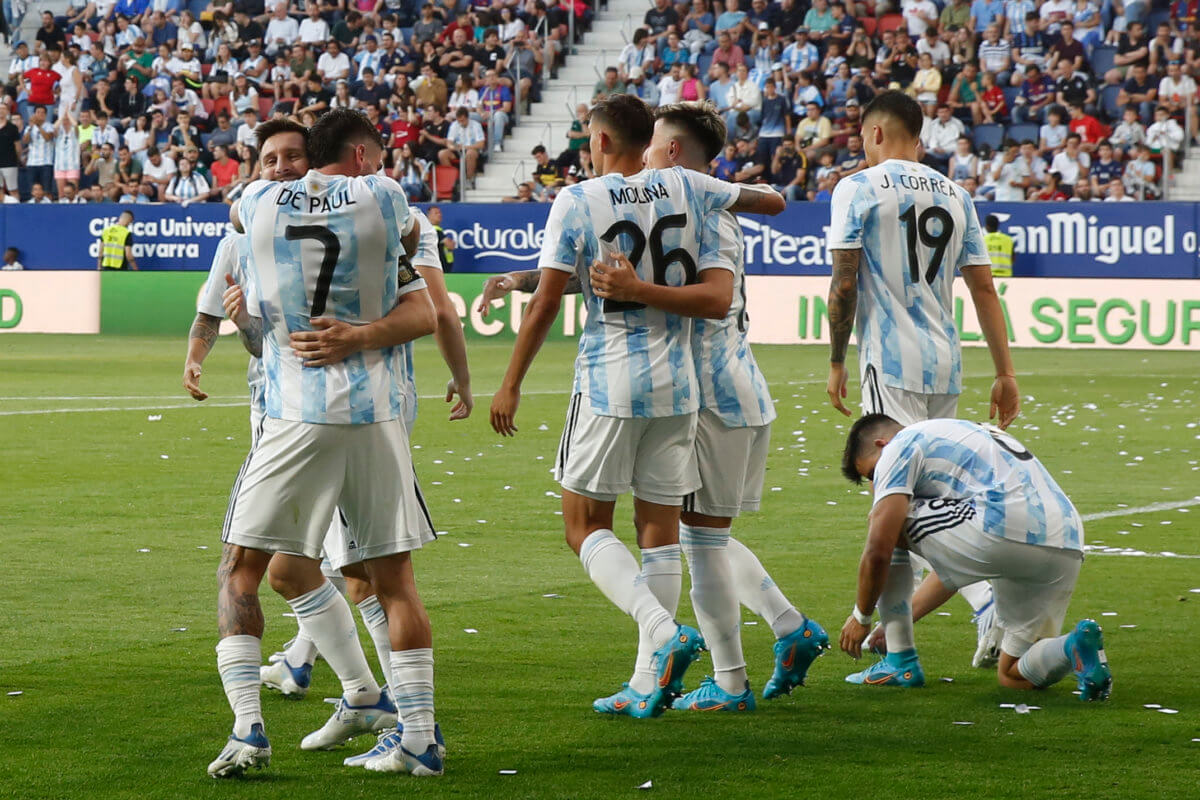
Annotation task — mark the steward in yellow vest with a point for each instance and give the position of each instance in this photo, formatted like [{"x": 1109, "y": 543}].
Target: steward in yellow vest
[
  {"x": 116, "y": 244},
  {"x": 1000, "y": 248}
]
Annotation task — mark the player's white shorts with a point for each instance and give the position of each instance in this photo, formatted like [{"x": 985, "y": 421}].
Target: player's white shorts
[
  {"x": 902, "y": 405},
  {"x": 297, "y": 475},
  {"x": 732, "y": 463},
  {"x": 605, "y": 457},
  {"x": 1032, "y": 584}
]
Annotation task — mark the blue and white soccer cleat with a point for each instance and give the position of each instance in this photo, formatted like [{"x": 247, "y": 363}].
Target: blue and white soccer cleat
[
  {"x": 711, "y": 697},
  {"x": 672, "y": 660},
  {"x": 987, "y": 652},
  {"x": 349, "y": 721},
  {"x": 896, "y": 669},
  {"x": 426, "y": 764},
  {"x": 1085, "y": 648},
  {"x": 241, "y": 754},
  {"x": 287, "y": 680},
  {"x": 389, "y": 741},
  {"x": 629, "y": 703},
  {"x": 794, "y": 654}
]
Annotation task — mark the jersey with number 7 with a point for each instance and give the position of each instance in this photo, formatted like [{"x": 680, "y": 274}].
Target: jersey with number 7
[
  {"x": 915, "y": 227},
  {"x": 636, "y": 361},
  {"x": 328, "y": 246}
]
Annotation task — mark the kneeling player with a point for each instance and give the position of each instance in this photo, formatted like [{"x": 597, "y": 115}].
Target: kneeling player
[{"x": 977, "y": 505}]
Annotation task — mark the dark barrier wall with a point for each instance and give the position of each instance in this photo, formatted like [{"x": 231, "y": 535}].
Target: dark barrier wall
[{"x": 1074, "y": 240}]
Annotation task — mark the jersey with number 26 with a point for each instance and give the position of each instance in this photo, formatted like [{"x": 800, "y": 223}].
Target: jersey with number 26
[
  {"x": 636, "y": 361},
  {"x": 915, "y": 228},
  {"x": 328, "y": 246}
]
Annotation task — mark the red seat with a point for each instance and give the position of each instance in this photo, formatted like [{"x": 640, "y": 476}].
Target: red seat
[
  {"x": 221, "y": 104},
  {"x": 869, "y": 24},
  {"x": 209, "y": 105},
  {"x": 264, "y": 107},
  {"x": 890, "y": 22},
  {"x": 447, "y": 177}
]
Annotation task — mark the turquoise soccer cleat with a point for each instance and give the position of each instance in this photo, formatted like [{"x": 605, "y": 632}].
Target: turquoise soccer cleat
[
  {"x": 629, "y": 703},
  {"x": 794, "y": 654},
  {"x": 896, "y": 669},
  {"x": 711, "y": 697},
  {"x": 673, "y": 658},
  {"x": 1085, "y": 648}
]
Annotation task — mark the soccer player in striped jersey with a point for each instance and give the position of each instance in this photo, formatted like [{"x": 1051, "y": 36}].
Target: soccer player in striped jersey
[
  {"x": 333, "y": 437},
  {"x": 898, "y": 232},
  {"x": 977, "y": 505},
  {"x": 732, "y": 439},
  {"x": 631, "y": 424}
]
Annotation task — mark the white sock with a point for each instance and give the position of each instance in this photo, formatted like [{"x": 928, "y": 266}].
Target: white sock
[
  {"x": 326, "y": 617},
  {"x": 613, "y": 569},
  {"x": 662, "y": 572},
  {"x": 977, "y": 595},
  {"x": 757, "y": 592},
  {"x": 1046, "y": 663},
  {"x": 412, "y": 688},
  {"x": 238, "y": 659},
  {"x": 895, "y": 604},
  {"x": 375, "y": 618},
  {"x": 301, "y": 651},
  {"x": 715, "y": 601}
]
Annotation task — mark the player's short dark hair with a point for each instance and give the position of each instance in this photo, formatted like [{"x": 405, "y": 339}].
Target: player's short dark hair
[
  {"x": 858, "y": 442},
  {"x": 336, "y": 129},
  {"x": 992, "y": 223},
  {"x": 899, "y": 106},
  {"x": 627, "y": 118},
  {"x": 274, "y": 127},
  {"x": 699, "y": 121}
]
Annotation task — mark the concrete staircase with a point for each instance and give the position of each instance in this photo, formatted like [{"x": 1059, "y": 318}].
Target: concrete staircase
[
  {"x": 548, "y": 121},
  {"x": 1186, "y": 186}
]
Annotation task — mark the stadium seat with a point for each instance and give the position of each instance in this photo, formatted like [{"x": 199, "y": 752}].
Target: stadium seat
[
  {"x": 890, "y": 22},
  {"x": 703, "y": 63},
  {"x": 204, "y": 137},
  {"x": 869, "y": 24},
  {"x": 264, "y": 107},
  {"x": 991, "y": 135},
  {"x": 222, "y": 104},
  {"x": 1026, "y": 130},
  {"x": 1011, "y": 93},
  {"x": 447, "y": 177},
  {"x": 1102, "y": 59},
  {"x": 1156, "y": 18},
  {"x": 1108, "y": 102},
  {"x": 209, "y": 105}
]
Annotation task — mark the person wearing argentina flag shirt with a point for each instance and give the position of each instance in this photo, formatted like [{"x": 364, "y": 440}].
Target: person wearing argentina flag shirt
[{"x": 631, "y": 424}]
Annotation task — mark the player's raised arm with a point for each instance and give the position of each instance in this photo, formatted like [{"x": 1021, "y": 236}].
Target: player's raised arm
[
  {"x": 709, "y": 298},
  {"x": 500, "y": 286},
  {"x": 758, "y": 199},
  {"x": 539, "y": 317}
]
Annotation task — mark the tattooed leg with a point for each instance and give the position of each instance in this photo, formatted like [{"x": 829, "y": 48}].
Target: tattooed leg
[{"x": 238, "y": 577}]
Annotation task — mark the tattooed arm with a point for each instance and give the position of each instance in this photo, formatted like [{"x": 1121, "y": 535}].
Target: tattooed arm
[
  {"x": 499, "y": 286},
  {"x": 200, "y": 341},
  {"x": 843, "y": 301}
]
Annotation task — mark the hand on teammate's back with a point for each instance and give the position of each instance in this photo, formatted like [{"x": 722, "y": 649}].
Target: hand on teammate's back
[
  {"x": 1006, "y": 398},
  {"x": 616, "y": 281},
  {"x": 330, "y": 342}
]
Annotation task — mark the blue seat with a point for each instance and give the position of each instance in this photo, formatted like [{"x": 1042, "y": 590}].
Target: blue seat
[
  {"x": 1108, "y": 102},
  {"x": 1011, "y": 93},
  {"x": 1102, "y": 59},
  {"x": 991, "y": 135},
  {"x": 702, "y": 65},
  {"x": 1156, "y": 18},
  {"x": 1026, "y": 130}
]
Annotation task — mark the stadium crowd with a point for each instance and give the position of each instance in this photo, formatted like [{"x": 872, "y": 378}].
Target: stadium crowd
[{"x": 151, "y": 100}]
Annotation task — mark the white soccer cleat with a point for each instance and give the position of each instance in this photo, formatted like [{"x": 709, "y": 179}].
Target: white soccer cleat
[
  {"x": 427, "y": 764},
  {"x": 287, "y": 680},
  {"x": 349, "y": 721},
  {"x": 240, "y": 755},
  {"x": 987, "y": 653}
]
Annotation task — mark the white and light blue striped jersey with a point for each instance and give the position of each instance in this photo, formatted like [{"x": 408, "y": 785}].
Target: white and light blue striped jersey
[
  {"x": 731, "y": 385},
  {"x": 981, "y": 464},
  {"x": 41, "y": 149},
  {"x": 230, "y": 259},
  {"x": 328, "y": 246},
  {"x": 915, "y": 227},
  {"x": 636, "y": 361},
  {"x": 426, "y": 256},
  {"x": 66, "y": 149}
]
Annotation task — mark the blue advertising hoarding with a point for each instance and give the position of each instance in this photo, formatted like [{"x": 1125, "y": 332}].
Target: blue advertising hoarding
[{"x": 1093, "y": 240}]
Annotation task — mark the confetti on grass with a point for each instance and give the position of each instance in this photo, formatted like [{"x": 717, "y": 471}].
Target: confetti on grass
[
  {"x": 647, "y": 785},
  {"x": 508, "y": 772},
  {"x": 18, "y": 694}
]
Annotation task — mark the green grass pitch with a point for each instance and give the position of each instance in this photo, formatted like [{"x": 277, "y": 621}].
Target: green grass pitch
[{"x": 110, "y": 526}]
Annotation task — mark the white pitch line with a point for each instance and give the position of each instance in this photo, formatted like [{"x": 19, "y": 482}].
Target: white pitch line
[{"x": 1121, "y": 512}]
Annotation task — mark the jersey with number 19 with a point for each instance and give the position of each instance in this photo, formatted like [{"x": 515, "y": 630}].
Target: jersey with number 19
[
  {"x": 328, "y": 246},
  {"x": 635, "y": 361},
  {"x": 915, "y": 227}
]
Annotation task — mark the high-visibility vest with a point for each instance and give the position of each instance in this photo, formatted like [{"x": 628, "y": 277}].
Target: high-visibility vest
[
  {"x": 112, "y": 243},
  {"x": 1000, "y": 250}
]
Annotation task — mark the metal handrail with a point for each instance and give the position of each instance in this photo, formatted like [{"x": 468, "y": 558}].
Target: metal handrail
[
  {"x": 599, "y": 65},
  {"x": 548, "y": 137},
  {"x": 572, "y": 100},
  {"x": 519, "y": 169},
  {"x": 627, "y": 28}
]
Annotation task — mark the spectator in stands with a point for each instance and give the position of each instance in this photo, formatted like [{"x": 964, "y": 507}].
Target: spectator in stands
[
  {"x": 38, "y": 196},
  {"x": 697, "y": 28},
  {"x": 814, "y": 133},
  {"x": 1037, "y": 95},
  {"x": 66, "y": 151},
  {"x": 776, "y": 122},
  {"x": 1052, "y": 191},
  {"x": 748, "y": 168},
  {"x": 583, "y": 170},
  {"x": 918, "y": 15},
  {"x": 725, "y": 164},
  {"x": 939, "y": 137},
  {"x": 495, "y": 108},
  {"x": 282, "y": 31},
  {"x": 313, "y": 29},
  {"x": 224, "y": 171},
  {"x": 521, "y": 65},
  {"x": 728, "y": 52},
  {"x": 38, "y": 139},
  {"x": 1073, "y": 87},
  {"x": 1164, "y": 48},
  {"x": 1035, "y": 165},
  {"x": 743, "y": 96},
  {"x": 1141, "y": 90},
  {"x": 1177, "y": 92},
  {"x": 819, "y": 20},
  {"x": 670, "y": 85},
  {"x": 1072, "y": 162},
  {"x": 927, "y": 82},
  {"x": 465, "y": 96},
  {"x": 938, "y": 50},
  {"x": 158, "y": 170},
  {"x": 789, "y": 171},
  {"x": 1029, "y": 49},
  {"x": 1132, "y": 48},
  {"x": 546, "y": 176},
  {"x": 611, "y": 84},
  {"x": 464, "y": 141},
  {"x": 409, "y": 172},
  {"x": 966, "y": 95},
  {"x": 646, "y": 90},
  {"x": 432, "y": 138},
  {"x": 1116, "y": 194},
  {"x": 1052, "y": 136},
  {"x": 964, "y": 163},
  {"x": 187, "y": 187},
  {"x": 638, "y": 53},
  {"x": 429, "y": 27},
  {"x": 11, "y": 259},
  {"x": 1084, "y": 192},
  {"x": 1105, "y": 168},
  {"x": 129, "y": 171},
  {"x": 1141, "y": 174},
  {"x": 673, "y": 52},
  {"x": 1165, "y": 136},
  {"x": 1090, "y": 129},
  {"x": 1129, "y": 134},
  {"x": 995, "y": 54},
  {"x": 992, "y": 107},
  {"x": 525, "y": 194},
  {"x": 800, "y": 56},
  {"x": 10, "y": 153}
]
